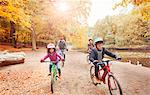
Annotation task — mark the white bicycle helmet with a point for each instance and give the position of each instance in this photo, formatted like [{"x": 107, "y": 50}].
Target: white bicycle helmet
[
  {"x": 50, "y": 45},
  {"x": 98, "y": 40}
]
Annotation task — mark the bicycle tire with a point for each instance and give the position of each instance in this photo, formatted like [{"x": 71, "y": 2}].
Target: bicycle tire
[
  {"x": 92, "y": 75},
  {"x": 53, "y": 77},
  {"x": 116, "y": 83},
  {"x": 87, "y": 59},
  {"x": 52, "y": 83},
  {"x": 64, "y": 56}
]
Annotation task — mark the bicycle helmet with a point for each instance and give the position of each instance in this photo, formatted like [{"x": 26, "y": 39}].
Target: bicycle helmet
[
  {"x": 50, "y": 45},
  {"x": 97, "y": 40}
]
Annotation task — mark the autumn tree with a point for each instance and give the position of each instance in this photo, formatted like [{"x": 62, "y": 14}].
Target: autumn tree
[
  {"x": 141, "y": 7},
  {"x": 34, "y": 19},
  {"x": 13, "y": 12},
  {"x": 123, "y": 30}
]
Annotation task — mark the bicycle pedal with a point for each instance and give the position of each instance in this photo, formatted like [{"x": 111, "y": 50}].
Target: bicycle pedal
[
  {"x": 57, "y": 76},
  {"x": 113, "y": 88},
  {"x": 97, "y": 84}
]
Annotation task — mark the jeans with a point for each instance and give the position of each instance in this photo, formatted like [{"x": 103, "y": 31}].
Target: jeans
[
  {"x": 61, "y": 52},
  {"x": 58, "y": 67},
  {"x": 97, "y": 69}
]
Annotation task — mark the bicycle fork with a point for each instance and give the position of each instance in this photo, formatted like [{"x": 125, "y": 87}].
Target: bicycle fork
[{"x": 54, "y": 72}]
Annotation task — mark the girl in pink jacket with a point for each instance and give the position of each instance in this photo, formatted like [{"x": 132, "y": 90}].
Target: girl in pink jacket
[{"x": 54, "y": 57}]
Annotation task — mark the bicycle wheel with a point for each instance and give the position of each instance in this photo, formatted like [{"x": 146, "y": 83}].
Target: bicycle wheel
[
  {"x": 63, "y": 63},
  {"x": 63, "y": 55},
  {"x": 114, "y": 86},
  {"x": 53, "y": 77},
  {"x": 87, "y": 59},
  {"x": 52, "y": 83},
  {"x": 92, "y": 74}
]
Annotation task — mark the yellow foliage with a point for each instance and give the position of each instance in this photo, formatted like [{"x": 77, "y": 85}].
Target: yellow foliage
[
  {"x": 79, "y": 38},
  {"x": 143, "y": 7},
  {"x": 14, "y": 13}
]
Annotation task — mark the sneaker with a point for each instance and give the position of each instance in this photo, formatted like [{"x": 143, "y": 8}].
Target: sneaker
[
  {"x": 49, "y": 74},
  {"x": 98, "y": 81},
  {"x": 59, "y": 76},
  {"x": 104, "y": 81}
]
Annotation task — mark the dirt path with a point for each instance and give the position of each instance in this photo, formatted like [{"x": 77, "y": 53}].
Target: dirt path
[{"x": 31, "y": 78}]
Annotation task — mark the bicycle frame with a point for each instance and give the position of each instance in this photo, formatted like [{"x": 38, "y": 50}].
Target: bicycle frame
[
  {"x": 108, "y": 72},
  {"x": 53, "y": 76},
  {"x": 54, "y": 71}
]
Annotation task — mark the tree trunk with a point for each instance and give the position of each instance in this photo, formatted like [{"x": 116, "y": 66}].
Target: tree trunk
[
  {"x": 12, "y": 34},
  {"x": 33, "y": 39},
  {"x": 11, "y": 58}
]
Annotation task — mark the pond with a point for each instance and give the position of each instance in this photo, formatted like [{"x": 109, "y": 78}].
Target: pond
[{"x": 135, "y": 56}]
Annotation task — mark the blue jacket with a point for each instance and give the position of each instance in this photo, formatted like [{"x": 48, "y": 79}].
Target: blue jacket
[{"x": 94, "y": 54}]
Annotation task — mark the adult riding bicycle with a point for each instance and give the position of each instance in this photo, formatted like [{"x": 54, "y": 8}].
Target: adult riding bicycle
[{"x": 62, "y": 46}]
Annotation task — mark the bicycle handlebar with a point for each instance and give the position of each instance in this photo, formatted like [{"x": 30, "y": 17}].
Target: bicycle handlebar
[
  {"x": 107, "y": 61},
  {"x": 52, "y": 61}
]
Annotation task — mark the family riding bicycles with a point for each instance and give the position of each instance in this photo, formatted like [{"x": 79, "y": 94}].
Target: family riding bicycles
[{"x": 100, "y": 69}]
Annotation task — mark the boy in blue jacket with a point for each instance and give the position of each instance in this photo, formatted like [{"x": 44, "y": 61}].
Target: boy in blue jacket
[{"x": 97, "y": 54}]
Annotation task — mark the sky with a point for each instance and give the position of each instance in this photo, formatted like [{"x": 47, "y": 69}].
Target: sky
[{"x": 102, "y": 8}]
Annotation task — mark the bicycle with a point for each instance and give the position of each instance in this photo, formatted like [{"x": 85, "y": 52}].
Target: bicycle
[
  {"x": 53, "y": 76},
  {"x": 63, "y": 55},
  {"x": 113, "y": 83}
]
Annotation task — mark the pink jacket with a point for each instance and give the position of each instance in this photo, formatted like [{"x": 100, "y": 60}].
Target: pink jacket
[{"x": 53, "y": 57}]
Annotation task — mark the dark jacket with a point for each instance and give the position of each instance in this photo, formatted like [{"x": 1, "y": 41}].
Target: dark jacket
[{"x": 94, "y": 54}]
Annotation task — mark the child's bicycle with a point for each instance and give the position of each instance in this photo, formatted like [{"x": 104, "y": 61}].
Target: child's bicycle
[
  {"x": 113, "y": 84},
  {"x": 53, "y": 76}
]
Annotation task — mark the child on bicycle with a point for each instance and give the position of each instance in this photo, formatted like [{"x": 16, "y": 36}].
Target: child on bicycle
[
  {"x": 54, "y": 58},
  {"x": 96, "y": 56}
]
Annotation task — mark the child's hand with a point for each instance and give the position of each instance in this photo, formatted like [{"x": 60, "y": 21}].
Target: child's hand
[
  {"x": 42, "y": 61},
  {"x": 63, "y": 60}
]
